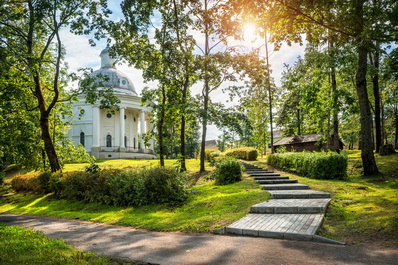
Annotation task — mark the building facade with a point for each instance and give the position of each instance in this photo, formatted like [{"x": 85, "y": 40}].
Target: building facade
[{"x": 107, "y": 135}]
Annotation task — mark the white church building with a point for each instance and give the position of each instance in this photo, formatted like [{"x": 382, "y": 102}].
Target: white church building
[{"x": 107, "y": 135}]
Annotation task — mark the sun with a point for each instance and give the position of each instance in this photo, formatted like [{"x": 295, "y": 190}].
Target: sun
[{"x": 249, "y": 32}]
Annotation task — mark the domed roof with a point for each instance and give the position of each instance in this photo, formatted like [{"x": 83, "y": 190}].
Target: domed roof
[{"x": 111, "y": 77}]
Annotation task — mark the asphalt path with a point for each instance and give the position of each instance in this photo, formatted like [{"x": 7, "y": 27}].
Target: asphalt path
[{"x": 179, "y": 248}]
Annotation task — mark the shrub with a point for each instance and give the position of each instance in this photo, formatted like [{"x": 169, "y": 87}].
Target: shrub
[
  {"x": 246, "y": 153},
  {"x": 27, "y": 182},
  {"x": 163, "y": 185},
  {"x": 1, "y": 178},
  {"x": 323, "y": 165},
  {"x": 44, "y": 179},
  {"x": 228, "y": 170},
  {"x": 92, "y": 168},
  {"x": 111, "y": 186},
  {"x": 211, "y": 156}
]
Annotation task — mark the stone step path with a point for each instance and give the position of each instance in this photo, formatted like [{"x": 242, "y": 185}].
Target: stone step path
[
  {"x": 276, "y": 181},
  {"x": 295, "y": 212},
  {"x": 291, "y": 206},
  {"x": 294, "y": 186}
]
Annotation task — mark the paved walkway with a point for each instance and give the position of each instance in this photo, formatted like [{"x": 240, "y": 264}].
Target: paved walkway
[
  {"x": 179, "y": 248},
  {"x": 295, "y": 212}
]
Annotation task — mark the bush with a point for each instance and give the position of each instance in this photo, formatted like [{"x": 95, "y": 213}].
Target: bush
[
  {"x": 246, "y": 153},
  {"x": 211, "y": 156},
  {"x": 44, "y": 179},
  {"x": 1, "y": 178},
  {"x": 228, "y": 170},
  {"x": 27, "y": 182},
  {"x": 162, "y": 185},
  {"x": 92, "y": 168},
  {"x": 112, "y": 187},
  {"x": 323, "y": 165}
]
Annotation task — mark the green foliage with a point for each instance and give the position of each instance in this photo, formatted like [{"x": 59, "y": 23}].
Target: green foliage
[
  {"x": 228, "y": 171},
  {"x": 23, "y": 246},
  {"x": 162, "y": 186},
  {"x": 281, "y": 149},
  {"x": 311, "y": 164},
  {"x": 246, "y": 153},
  {"x": 155, "y": 185},
  {"x": 92, "y": 168},
  {"x": 1, "y": 178},
  {"x": 211, "y": 156},
  {"x": 27, "y": 182}
]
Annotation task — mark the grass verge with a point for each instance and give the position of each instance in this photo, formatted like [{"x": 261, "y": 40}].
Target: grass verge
[
  {"x": 364, "y": 210},
  {"x": 208, "y": 207},
  {"x": 39, "y": 249}
]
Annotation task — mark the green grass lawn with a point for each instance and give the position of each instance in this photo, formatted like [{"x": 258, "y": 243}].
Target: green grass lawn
[
  {"x": 208, "y": 207},
  {"x": 364, "y": 209},
  {"x": 192, "y": 164},
  {"x": 39, "y": 249}
]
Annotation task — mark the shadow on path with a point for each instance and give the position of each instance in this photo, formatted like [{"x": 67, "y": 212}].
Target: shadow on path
[{"x": 179, "y": 248}]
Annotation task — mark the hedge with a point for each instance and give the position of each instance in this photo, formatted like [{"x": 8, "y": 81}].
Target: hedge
[
  {"x": 155, "y": 185},
  {"x": 318, "y": 165},
  {"x": 245, "y": 153}
]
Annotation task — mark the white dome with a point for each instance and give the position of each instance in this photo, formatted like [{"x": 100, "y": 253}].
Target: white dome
[{"x": 119, "y": 81}]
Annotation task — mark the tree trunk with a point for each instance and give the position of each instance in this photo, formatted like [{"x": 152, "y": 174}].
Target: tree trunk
[
  {"x": 204, "y": 129},
  {"x": 367, "y": 155},
  {"x": 376, "y": 92},
  {"x": 48, "y": 144},
  {"x": 269, "y": 95},
  {"x": 396, "y": 127},
  {"x": 206, "y": 91},
  {"x": 298, "y": 122},
  {"x": 182, "y": 139},
  {"x": 160, "y": 128},
  {"x": 336, "y": 142}
]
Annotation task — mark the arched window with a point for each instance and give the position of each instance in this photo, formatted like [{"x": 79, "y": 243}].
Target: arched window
[
  {"x": 134, "y": 143},
  {"x": 82, "y": 138},
  {"x": 108, "y": 140},
  {"x": 125, "y": 141}
]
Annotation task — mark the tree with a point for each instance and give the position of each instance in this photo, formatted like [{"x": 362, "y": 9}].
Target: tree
[
  {"x": 170, "y": 61},
  {"x": 352, "y": 21},
  {"x": 30, "y": 31}
]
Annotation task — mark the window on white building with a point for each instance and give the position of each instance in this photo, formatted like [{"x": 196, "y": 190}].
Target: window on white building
[
  {"x": 82, "y": 138},
  {"x": 108, "y": 140}
]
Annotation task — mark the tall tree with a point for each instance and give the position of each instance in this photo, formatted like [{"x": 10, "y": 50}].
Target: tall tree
[
  {"x": 352, "y": 21},
  {"x": 169, "y": 61},
  {"x": 31, "y": 32}
]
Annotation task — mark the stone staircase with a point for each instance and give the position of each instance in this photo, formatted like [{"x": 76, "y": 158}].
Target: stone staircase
[{"x": 294, "y": 212}]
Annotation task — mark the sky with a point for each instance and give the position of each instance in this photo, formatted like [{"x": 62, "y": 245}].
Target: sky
[{"x": 79, "y": 53}]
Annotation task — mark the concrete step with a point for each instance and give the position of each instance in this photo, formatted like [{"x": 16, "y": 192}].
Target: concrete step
[
  {"x": 275, "y": 181},
  {"x": 251, "y": 167},
  {"x": 270, "y": 177},
  {"x": 264, "y": 174},
  {"x": 298, "y": 194},
  {"x": 289, "y": 226},
  {"x": 258, "y": 171},
  {"x": 291, "y": 206},
  {"x": 285, "y": 187}
]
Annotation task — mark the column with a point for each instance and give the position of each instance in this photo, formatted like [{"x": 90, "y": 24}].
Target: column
[
  {"x": 95, "y": 149},
  {"x": 150, "y": 126},
  {"x": 122, "y": 128},
  {"x": 96, "y": 127},
  {"x": 142, "y": 128}
]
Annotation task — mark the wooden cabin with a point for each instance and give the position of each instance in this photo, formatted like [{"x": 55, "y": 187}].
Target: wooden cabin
[{"x": 309, "y": 142}]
